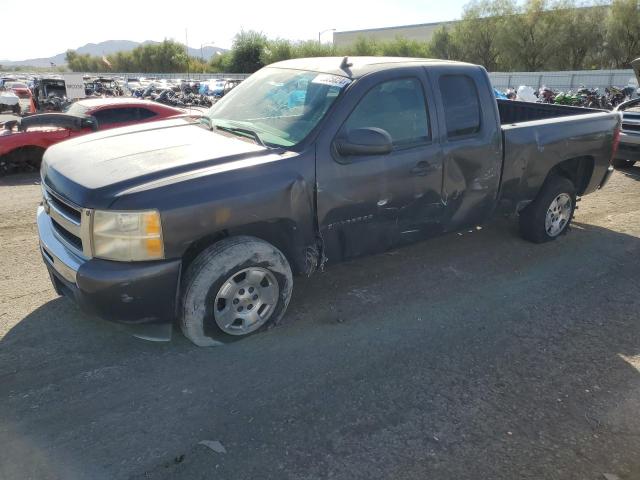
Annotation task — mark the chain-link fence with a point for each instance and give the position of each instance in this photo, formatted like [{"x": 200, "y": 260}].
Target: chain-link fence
[
  {"x": 501, "y": 80},
  {"x": 184, "y": 76},
  {"x": 564, "y": 80}
]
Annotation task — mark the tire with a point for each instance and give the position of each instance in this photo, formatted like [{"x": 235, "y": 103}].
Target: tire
[
  {"x": 557, "y": 193},
  {"x": 207, "y": 309},
  {"x": 621, "y": 163},
  {"x": 23, "y": 159}
]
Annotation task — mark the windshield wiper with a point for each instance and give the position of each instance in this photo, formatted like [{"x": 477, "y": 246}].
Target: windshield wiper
[{"x": 243, "y": 132}]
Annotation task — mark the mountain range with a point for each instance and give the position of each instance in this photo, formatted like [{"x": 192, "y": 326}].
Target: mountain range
[{"x": 104, "y": 48}]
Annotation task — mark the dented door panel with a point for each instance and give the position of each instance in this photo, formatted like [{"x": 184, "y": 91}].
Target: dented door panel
[
  {"x": 368, "y": 204},
  {"x": 472, "y": 163}
]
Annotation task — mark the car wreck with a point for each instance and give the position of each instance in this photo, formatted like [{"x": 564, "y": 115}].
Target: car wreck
[{"x": 309, "y": 162}]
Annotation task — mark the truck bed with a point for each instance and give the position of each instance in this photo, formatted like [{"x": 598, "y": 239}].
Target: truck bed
[
  {"x": 538, "y": 137},
  {"x": 515, "y": 112}
]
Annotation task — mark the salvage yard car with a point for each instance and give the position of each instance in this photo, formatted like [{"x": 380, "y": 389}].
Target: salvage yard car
[
  {"x": 206, "y": 221},
  {"x": 24, "y": 141},
  {"x": 27, "y": 105},
  {"x": 629, "y": 151}
]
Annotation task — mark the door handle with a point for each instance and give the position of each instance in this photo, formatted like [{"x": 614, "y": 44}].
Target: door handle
[{"x": 421, "y": 168}]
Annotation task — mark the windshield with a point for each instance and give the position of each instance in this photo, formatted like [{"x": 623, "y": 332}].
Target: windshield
[{"x": 281, "y": 106}]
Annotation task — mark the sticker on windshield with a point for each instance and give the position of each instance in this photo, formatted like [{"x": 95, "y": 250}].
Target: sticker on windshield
[{"x": 331, "y": 80}]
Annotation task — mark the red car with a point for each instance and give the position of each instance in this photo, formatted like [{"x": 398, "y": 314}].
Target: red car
[{"x": 23, "y": 141}]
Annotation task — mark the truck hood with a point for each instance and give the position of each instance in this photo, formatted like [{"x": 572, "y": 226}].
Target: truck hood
[{"x": 92, "y": 170}]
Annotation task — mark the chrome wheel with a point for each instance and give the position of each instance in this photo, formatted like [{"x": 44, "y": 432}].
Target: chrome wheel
[
  {"x": 246, "y": 300},
  {"x": 558, "y": 215}
]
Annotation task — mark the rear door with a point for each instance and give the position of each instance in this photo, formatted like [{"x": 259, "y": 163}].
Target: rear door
[
  {"x": 370, "y": 203},
  {"x": 471, "y": 144}
]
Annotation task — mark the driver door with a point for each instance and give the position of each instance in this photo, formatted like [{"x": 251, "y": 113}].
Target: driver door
[{"x": 370, "y": 203}]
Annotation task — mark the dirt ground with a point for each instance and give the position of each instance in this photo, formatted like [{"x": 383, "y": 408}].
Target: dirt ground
[{"x": 471, "y": 356}]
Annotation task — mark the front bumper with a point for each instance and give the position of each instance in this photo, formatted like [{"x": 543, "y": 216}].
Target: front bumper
[
  {"x": 133, "y": 293},
  {"x": 629, "y": 147}
]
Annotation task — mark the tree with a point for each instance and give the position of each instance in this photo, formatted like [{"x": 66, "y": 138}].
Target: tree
[
  {"x": 623, "y": 32},
  {"x": 220, "y": 63},
  {"x": 529, "y": 36},
  {"x": 579, "y": 36},
  {"x": 311, "y": 48},
  {"x": 247, "y": 51},
  {"x": 478, "y": 33},
  {"x": 277, "y": 50},
  {"x": 402, "y": 47},
  {"x": 363, "y": 46},
  {"x": 443, "y": 46}
]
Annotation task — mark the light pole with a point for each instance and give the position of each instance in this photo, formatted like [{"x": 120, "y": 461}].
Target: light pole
[{"x": 324, "y": 31}]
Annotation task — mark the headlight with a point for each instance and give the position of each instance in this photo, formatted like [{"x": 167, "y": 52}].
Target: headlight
[{"x": 127, "y": 236}]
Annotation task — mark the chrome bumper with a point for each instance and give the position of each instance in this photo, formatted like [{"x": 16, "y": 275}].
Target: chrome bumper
[
  {"x": 630, "y": 138},
  {"x": 54, "y": 252}
]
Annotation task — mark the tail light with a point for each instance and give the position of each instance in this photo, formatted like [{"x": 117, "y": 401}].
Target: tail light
[{"x": 616, "y": 142}]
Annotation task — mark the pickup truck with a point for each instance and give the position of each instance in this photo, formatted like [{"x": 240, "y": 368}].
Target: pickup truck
[
  {"x": 205, "y": 221},
  {"x": 629, "y": 151}
]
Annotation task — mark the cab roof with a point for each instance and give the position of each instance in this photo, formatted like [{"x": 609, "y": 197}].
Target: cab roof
[{"x": 359, "y": 65}]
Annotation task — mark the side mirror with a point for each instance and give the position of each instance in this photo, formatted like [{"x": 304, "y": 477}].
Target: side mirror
[{"x": 364, "y": 141}]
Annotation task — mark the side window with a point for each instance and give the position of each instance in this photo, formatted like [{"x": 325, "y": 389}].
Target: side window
[
  {"x": 116, "y": 115},
  {"x": 144, "y": 114},
  {"x": 397, "y": 106},
  {"x": 461, "y": 105}
]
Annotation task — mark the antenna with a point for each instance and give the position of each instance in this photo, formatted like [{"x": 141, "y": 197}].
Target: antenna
[{"x": 345, "y": 63}]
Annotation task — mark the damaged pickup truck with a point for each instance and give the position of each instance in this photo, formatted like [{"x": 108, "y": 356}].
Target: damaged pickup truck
[{"x": 307, "y": 162}]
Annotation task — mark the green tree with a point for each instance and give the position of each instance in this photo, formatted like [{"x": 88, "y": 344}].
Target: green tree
[
  {"x": 478, "y": 34},
  {"x": 579, "y": 36},
  {"x": 311, "y": 48},
  {"x": 364, "y": 46},
  {"x": 443, "y": 46},
  {"x": 529, "y": 36},
  {"x": 623, "y": 32},
  {"x": 277, "y": 50},
  {"x": 247, "y": 51},
  {"x": 220, "y": 63},
  {"x": 402, "y": 47}
]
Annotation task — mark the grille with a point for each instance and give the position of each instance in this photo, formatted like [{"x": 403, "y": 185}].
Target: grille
[
  {"x": 631, "y": 127},
  {"x": 68, "y": 210},
  {"x": 66, "y": 219},
  {"x": 67, "y": 235}
]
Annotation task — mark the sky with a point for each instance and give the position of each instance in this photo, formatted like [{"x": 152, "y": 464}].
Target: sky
[{"x": 41, "y": 35}]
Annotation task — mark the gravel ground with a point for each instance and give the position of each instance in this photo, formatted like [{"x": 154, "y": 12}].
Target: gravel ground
[{"x": 471, "y": 356}]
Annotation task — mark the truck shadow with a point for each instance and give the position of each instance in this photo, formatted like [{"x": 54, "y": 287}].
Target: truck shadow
[
  {"x": 448, "y": 339},
  {"x": 16, "y": 179},
  {"x": 631, "y": 172}
]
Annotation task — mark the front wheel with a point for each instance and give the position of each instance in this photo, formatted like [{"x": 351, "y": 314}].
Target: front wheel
[
  {"x": 549, "y": 215},
  {"x": 234, "y": 288}
]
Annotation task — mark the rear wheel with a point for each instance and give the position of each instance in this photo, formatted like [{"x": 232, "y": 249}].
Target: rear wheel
[
  {"x": 549, "y": 215},
  {"x": 621, "y": 163},
  {"x": 234, "y": 288}
]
